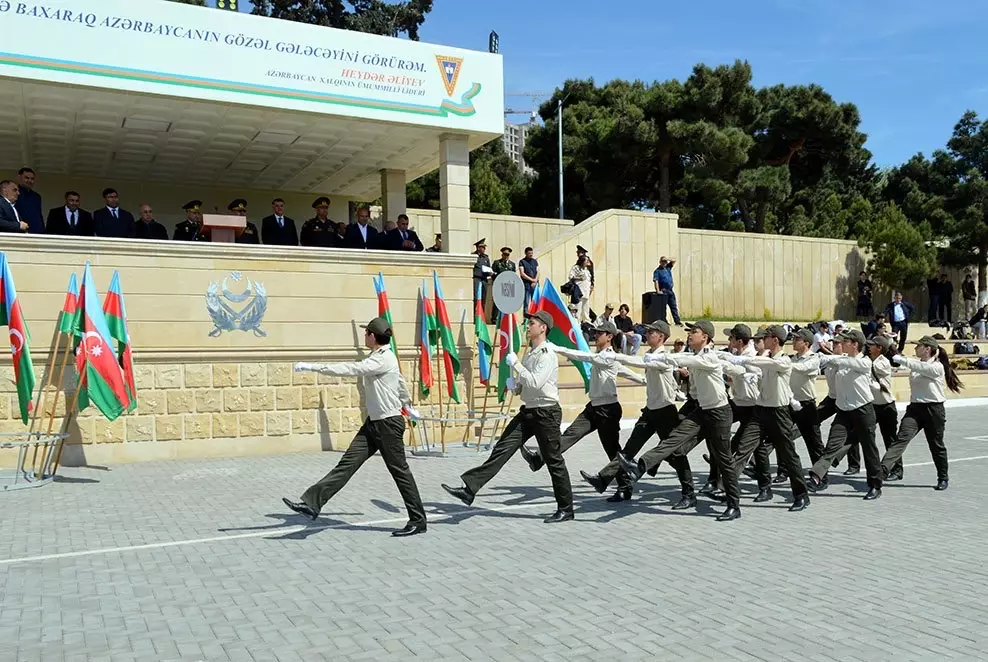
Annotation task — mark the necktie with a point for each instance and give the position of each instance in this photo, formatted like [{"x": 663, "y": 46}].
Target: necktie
[
  {"x": 404, "y": 237},
  {"x": 114, "y": 211},
  {"x": 281, "y": 221},
  {"x": 72, "y": 214}
]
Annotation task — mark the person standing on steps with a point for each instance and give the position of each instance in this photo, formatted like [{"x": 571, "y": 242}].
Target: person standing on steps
[
  {"x": 929, "y": 372},
  {"x": 385, "y": 396},
  {"x": 663, "y": 281},
  {"x": 535, "y": 379},
  {"x": 855, "y": 414},
  {"x": 603, "y": 413},
  {"x": 659, "y": 417},
  {"x": 773, "y": 419},
  {"x": 712, "y": 418}
]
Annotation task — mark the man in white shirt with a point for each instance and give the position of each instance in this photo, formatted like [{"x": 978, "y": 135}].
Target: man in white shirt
[
  {"x": 385, "y": 397},
  {"x": 773, "y": 418},
  {"x": 855, "y": 416},
  {"x": 821, "y": 340}
]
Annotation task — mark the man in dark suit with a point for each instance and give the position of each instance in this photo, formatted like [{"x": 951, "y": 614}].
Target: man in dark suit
[
  {"x": 29, "y": 203},
  {"x": 148, "y": 228},
  {"x": 111, "y": 220},
  {"x": 70, "y": 219},
  {"x": 898, "y": 314},
  {"x": 277, "y": 229},
  {"x": 361, "y": 234},
  {"x": 10, "y": 220},
  {"x": 250, "y": 234},
  {"x": 403, "y": 239}
]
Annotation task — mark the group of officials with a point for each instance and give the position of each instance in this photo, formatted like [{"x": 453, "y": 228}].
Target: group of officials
[{"x": 755, "y": 384}]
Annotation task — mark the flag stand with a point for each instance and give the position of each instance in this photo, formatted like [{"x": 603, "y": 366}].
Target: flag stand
[
  {"x": 69, "y": 415},
  {"x": 54, "y": 347},
  {"x": 439, "y": 378},
  {"x": 487, "y": 392}
]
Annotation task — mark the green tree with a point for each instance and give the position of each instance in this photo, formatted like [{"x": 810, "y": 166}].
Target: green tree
[
  {"x": 968, "y": 232},
  {"x": 392, "y": 19},
  {"x": 900, "y": 255}
]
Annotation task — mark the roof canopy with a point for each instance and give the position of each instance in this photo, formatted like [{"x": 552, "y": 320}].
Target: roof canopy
[{"x": 162, "y": 91}]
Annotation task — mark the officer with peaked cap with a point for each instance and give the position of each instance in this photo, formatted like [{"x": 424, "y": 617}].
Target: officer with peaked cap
[
  {"x": 535, "y": 379},
  {"x": 319, "y": 231},
  {"x": 483, "y": 273},
  {"x": 250, "y": 235},
  {"x": 191, "y": 228},
  {"x": 385, "y": 396}
]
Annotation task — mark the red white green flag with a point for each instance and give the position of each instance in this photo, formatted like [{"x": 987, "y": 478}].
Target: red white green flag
[
  {"x": 101, "y": 382},
  {"x": 427, "y": 340},
  {"x": 509, "y": 338},
  {"x": 384, "y": 307},
  {"x": 70, "y": 308},
  {"x": 116, "y": 320},
  {"x": 12, "y": 317},
  {"x": 451, "y": 356}
]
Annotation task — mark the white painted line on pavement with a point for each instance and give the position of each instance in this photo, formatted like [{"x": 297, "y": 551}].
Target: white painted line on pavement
[{"x": 296, "y": 529}]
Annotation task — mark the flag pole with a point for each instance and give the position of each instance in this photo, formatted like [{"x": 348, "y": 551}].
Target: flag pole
[
  {"x": 487, "y": 392},
  {"x": 394, "y": 348},
  {"x": 511, "y": 396},
  {"x": 58, "y": 393},
  {"x": 42, "y": 397},
  {"x": 439, "y": 378}
]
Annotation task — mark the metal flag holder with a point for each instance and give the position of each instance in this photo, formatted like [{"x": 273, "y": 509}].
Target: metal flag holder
[
  {"x": 46, "y": 447},
  {"x": 428, "y": 448}
]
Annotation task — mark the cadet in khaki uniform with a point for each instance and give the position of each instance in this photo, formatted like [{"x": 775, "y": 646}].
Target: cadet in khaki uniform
[
  {"x": 659, "y": 417},
  {"x": 385, "y": 395},
  {"x": 773, "y": 418},
  {"x": 712, "y": 419},
  {"x": 929, "y": 372},
  {"x": 855, "y": 414},
  {"x": 603, "y": 413},
  {"x": 535, "y": 380},
  {"x": 805, "y": 368}
]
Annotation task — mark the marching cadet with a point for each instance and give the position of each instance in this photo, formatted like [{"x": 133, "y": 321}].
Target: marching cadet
[
  {"x": 535, "y": 380},
  {"x": 319, "y": 231},
  {"x": 885, "y": 412},
  {"x": 772, "y": 418},
  {"x": 855, "y": 414},
  {"x": 659, "y": 417},
  {"x": 929, "y": 372},
  {"x": 250, "y": 234},
  {"x": 712, "y": 418},
  {"x": 603, "y": 413},
  {"x": 385, "y": 395},
  {"x": 191, "y": 228},
  {"x": 805, "y": 368}
]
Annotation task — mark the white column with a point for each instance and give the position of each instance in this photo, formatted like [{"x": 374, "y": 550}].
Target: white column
[
  {"x": 454, "y": 194},
  {"x": 393, "y": 194}
]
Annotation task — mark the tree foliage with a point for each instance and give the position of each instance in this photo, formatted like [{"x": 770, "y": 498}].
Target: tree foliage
[
  {"x": 901, "y": 256},
  {"x": 393, "y": 19}
]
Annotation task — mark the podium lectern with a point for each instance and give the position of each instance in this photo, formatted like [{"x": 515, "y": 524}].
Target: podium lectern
[{"x": 224, "y": 228}]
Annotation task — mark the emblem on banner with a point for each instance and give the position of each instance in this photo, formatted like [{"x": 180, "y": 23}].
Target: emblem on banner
[
  {"x": 225, "y": 317},
  {"x": 450, "y": 69}
]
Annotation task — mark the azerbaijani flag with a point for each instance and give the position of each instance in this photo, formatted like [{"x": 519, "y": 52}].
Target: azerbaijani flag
[
  {"x": 507, "y": 329},
  {"x": 426, "y": 337},
  {"x": 12, "y": 317},
  {"x": 383, "y": 307},
  {"x": 116, "y": 320},
  {"x": 451, "y": 357},
  {"x": 70, "y": 308},
  {"x": 565, "y": 331},
  {"x": 533, "y": 305},
  {"x": 484, "y": 346},
  {"x": 101, "y": 382}
]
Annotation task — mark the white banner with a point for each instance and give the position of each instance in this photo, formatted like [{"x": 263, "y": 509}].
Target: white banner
[{"x": 167, "y": 48}]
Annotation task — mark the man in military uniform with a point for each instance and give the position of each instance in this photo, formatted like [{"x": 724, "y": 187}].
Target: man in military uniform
[
  {"x": 250, "y": 234},
  {"x": 436, "y": 247},
  {"x": 148, "y": 228},
  {"x": 385, "y": 395},
  {"x": 319, "y": 231},
  {"x": 482, "y": 273},
  {"x": 535, "y": 380},
  {"x": 191, "y": 228},
  {"x": 499, "y": 266}
]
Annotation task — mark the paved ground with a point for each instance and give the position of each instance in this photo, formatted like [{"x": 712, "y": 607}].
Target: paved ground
[{"x": 200, "y": 561}]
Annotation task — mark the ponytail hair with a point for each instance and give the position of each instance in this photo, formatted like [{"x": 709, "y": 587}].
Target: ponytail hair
[{"x": 953, "y": 381}]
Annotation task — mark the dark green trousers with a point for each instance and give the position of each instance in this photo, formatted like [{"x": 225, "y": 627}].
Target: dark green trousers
[
  {"x": 857, "y": 424},
  {"x": 659, "y": 422},
  {"x": 774, "y": 425},
  {"x": 742, "y": 416},
  {"x": 385, "y": 436},
  {"x": 605, "y": 420},
  {"x": 931, "y": 418},
  {"x": 543, "y": 424}
]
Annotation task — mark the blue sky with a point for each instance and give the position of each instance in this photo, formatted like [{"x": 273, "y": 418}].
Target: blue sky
[{"x": 912, "y": 67}]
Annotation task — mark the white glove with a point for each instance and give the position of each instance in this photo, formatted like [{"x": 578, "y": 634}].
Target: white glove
[
  {"x": 898, "y": 359},
  {"x": 750, "y": 377},
  {"x": 795, "y": 404},
  {"x": 680, "y": 396},
  {"x": 302, "y": 367},
  {"x": 509, "y": 383},
  {"x": 875, "y": 386},
  {"x": 511, "y": 359},
  {"x": 413, "y": 413}
]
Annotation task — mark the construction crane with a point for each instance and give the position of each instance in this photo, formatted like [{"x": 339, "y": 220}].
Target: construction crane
[{"x": 536, "y": 98}]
